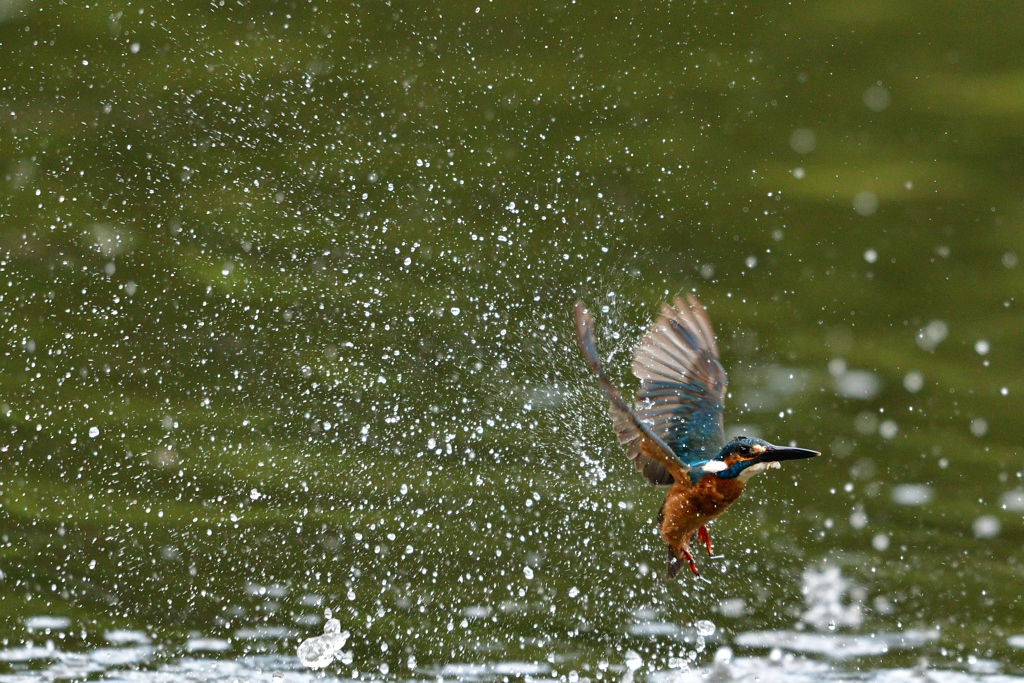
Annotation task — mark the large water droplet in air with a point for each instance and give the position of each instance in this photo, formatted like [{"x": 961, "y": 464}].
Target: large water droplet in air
[{"x": 705, "y": 628}]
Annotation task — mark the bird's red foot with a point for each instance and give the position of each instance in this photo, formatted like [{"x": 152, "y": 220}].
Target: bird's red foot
[
  {"x": 689, "y": 562},
  {"x": 705, "y": 538},
  {"x": 675, "y": 562}
]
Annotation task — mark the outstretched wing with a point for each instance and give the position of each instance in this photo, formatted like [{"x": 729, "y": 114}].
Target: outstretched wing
[
  {"x": 651, "y": 456},
  {"x": 682, "y": 383}
]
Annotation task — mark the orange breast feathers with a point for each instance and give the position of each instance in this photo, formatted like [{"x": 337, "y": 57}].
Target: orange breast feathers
[{"x": 688, "y": 507}]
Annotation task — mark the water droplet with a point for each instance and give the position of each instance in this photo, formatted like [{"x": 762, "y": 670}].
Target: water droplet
[
  {"x": 705, "y": 628},
  {"x": 865, "y": 203},
  {"x": 932, "y": 334},
  {"x": 913, "y": 381},
  {"x": 912, "y": 494},
  {"x": 877, "y": 98},
  {"x": 803, "y": 141},
  {"x": 986, "y": 526}
]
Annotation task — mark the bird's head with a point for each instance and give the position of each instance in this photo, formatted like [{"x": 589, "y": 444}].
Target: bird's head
[{"x": 746, "y": 456}]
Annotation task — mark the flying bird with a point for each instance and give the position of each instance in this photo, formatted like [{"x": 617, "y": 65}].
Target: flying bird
[{"x": 673, "y": 433}]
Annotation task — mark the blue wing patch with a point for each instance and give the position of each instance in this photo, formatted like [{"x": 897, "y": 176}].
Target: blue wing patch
[
  {"x": 682, "y": 384},
  {"x": 652, "y": 457}
]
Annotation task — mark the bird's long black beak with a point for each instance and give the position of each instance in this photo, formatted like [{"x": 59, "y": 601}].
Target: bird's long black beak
[{"x": 780, "y": 453}]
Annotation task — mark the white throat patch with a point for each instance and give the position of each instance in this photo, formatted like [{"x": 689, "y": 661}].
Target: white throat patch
[{"x": 760, "y": 467}]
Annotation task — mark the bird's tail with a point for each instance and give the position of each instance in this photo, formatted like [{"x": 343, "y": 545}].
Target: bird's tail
[{"x": 637, "y": 436}]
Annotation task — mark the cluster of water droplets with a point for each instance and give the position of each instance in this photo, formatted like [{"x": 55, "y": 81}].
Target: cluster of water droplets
[
  {"x": 705, "y": 629},
  {"x": 824, "y": 593},
  {"x": 319, "y": 651}
]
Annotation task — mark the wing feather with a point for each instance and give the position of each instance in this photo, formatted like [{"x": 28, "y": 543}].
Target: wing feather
[
  {"x": 651, "y": 456},
  {"x": 682, "y": 382}
]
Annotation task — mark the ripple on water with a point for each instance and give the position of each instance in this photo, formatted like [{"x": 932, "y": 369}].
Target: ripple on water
[
  {"x": 654, "y": 629},
  {"x": 791, "y": 669},
  {"x": 250, "y": 670},
  {"x": 777, "y": 668},
  {"x": 495, "y": 669},
  {"x": 265, "y": 633},
  {"x": 47, "y": 622},
  {"x": 836, "y": 646},
  {"x": 27, "y": 653},
  {"x": 125, "y": 637},
  {"x": 199, "y": 644},
  {"x": 120, "y": 656}
]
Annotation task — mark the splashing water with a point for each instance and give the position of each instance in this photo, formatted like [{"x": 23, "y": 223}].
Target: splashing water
[
  {"x": 319, "y": 651},
  {"x": 633, "y": 662},
  {"x": 823, "y": 591},
  {"x": 705, "y": 628}
]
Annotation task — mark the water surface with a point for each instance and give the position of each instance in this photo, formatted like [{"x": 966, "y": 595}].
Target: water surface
[{"x": 285, "y": 298}]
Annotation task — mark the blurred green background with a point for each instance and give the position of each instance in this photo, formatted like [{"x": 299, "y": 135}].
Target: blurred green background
[{"x": 286, "y": 294}]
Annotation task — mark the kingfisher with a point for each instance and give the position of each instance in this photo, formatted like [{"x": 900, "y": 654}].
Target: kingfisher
[{"x": 673, "y": 434}]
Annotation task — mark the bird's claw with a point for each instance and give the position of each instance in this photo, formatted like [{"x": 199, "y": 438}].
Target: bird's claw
[
  {"x": 675, "y": 562},
  {"x": 705, "y": 538},
  {"x": 690, "y": 563}
]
